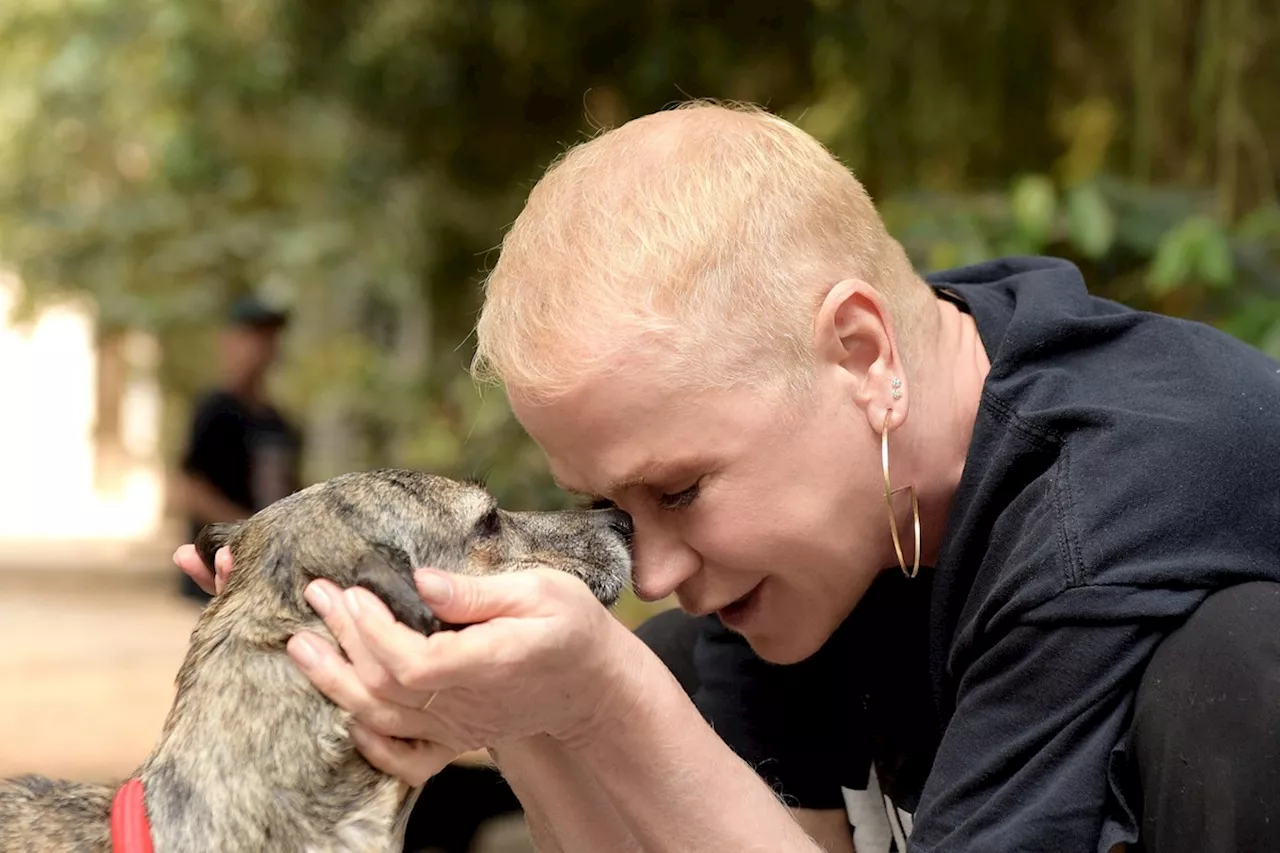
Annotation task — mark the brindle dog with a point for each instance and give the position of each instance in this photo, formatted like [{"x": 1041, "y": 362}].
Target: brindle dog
[{"x": 251, "y": 756}]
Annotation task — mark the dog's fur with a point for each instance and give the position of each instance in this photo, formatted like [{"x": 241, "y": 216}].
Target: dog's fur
[{"x": 251, "y": 756}]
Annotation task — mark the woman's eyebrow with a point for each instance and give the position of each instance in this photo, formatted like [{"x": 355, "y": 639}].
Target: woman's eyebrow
[
  {"x": 644, "y": 474},
  {"x": 659, "y": 472}
]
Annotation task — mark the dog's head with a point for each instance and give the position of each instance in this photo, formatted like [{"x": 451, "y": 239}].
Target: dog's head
[{"x": 374, "y": 529}]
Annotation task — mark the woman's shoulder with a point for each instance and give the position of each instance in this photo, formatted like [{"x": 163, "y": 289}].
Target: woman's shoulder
[{"x": 1114, "y": 447}]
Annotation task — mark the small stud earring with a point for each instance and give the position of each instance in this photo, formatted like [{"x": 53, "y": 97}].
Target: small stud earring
[{"x": 896, "y": 385}]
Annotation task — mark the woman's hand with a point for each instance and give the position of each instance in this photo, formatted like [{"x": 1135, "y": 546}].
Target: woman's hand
[
  {"x": 188, "y": 559},
  {"x": 544, "y": 658},
  {"x": 539, "y": 655}
]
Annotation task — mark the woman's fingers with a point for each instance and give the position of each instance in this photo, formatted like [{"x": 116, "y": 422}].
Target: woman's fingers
[
  {"x": 397, "y": 655},
  {"x": 188, "y": 559},
  {"x": 212, "y": 581},
  {"x": 336, "y": 609},
  {"x": 325, "y": 668},
  {"x": 400, "y": 664},
  {"x": 413, "y": 762},
  {"x": 221, "y": 568},
  {"x": 446, "y": 659},
  {"x": 463, "y": 599}
]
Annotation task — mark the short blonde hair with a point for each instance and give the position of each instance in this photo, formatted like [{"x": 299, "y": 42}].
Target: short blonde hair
[{"x": 703, "y": 238}]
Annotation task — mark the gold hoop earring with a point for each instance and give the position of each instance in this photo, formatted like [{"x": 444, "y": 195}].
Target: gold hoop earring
[{"x": 889, "y": 492}]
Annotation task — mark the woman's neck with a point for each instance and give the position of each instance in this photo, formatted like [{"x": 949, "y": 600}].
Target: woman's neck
[{"x": 950, "y": 387}]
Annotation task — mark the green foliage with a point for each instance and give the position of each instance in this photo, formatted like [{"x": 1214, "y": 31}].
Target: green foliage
[
  {"x": 1090, "y": 222},
  {"x": 1197, "y": 249}
]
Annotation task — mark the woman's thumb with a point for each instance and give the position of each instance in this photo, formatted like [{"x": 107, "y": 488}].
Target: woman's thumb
[{"x": 462, "y": 599}]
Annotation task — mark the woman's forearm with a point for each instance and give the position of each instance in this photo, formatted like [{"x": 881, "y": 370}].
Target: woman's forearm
[
  {"x": 673, "y": 782},
  {"x": 565, "y": 808},
  {"x": 652, "y": 777}
]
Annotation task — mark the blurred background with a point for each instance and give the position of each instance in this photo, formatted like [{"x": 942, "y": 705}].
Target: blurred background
[{"x": 356, "y": 162}]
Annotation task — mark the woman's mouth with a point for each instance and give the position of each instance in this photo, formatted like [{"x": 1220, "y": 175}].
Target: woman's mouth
[{"x": 735, "y": 615}]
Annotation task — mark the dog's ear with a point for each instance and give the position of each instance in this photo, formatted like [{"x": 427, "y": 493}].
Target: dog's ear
[
  {"x": 388, "y": 573},
  {"x": 213, "y": 537}
]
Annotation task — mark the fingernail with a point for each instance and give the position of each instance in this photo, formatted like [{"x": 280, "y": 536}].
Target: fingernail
[
  {"x": 372, "y": 609},
  {"x": 175, "y": 557},
  {"x": 303, "y": 649},
  {"x": 434, "y": 586},
  {"x": 315, "y": 596}
]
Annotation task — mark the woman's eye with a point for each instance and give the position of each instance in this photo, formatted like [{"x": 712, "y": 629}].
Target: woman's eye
[{"x": 679, "y": 500}]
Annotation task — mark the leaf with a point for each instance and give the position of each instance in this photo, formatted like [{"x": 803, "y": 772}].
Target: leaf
[
  {"x": 1033, "y": 202},
  {"x": 1214, "y": 256},
  {"x": 1262, "y": 223},
  {"x": 1090, "y": 221},
  {"x": 1270, "y": 341},
  {"x": 1172, "y": 265},
  {"x": 1196, "y": 249}
]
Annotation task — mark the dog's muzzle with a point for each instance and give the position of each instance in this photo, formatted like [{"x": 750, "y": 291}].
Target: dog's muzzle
[{"x": 620, "y": 523}]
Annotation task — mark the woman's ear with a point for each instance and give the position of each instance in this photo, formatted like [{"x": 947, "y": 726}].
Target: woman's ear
[{"x": 853, "y": 334}]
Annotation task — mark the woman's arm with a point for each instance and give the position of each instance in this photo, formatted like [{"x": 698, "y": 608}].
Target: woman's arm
[
  {"x": 671, "y": 779},
  {"x": 567, "y": 812},
  {"x": 829, "y": 828},
  {"x": 565, "y": 809}
]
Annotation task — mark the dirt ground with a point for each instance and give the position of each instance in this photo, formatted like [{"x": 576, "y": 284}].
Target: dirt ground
[{"x": 86, "y": 677}]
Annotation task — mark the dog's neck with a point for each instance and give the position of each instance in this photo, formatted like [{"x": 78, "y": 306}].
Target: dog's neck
[{"x": 243, "y": 766}]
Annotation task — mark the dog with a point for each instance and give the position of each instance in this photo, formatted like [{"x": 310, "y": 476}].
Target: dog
[{"x": 251, "y": 756}]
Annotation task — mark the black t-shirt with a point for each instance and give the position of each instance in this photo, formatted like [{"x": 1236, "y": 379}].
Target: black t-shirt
[
  {"x": 249, "y": 453},
  {"x": 1123, "y": 466}
]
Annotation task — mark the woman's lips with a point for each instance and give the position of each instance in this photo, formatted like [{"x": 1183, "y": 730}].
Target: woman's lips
[{"x": 740, "y": 612}]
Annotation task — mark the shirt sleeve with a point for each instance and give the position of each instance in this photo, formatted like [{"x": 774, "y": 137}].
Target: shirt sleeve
[
  {"x": 1034, "y": 758},
  {"x": 796, "y": 725}
]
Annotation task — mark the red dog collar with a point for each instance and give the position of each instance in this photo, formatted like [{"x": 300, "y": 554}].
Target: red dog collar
[{"x": 130, "y": 830}]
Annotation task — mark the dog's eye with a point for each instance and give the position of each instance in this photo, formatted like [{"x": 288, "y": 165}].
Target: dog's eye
[{"x": 489, "y": 524}]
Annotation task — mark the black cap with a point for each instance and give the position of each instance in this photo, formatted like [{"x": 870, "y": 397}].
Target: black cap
[{"x": 252, "y": 311}]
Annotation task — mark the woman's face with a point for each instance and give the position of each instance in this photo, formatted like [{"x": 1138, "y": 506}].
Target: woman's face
[{"x": 766, "y": 511}]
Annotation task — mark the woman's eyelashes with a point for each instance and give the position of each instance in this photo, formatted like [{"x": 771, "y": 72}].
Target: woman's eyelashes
[
  {"x": 665, "y": 500},
  {"x": 681, "y": 499}
]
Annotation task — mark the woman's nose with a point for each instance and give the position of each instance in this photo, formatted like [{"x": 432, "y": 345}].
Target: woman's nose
[{"x": 661, "y": 563}]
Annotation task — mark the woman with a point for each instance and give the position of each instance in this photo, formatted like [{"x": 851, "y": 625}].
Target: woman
[{"x": 700, "y": 317}]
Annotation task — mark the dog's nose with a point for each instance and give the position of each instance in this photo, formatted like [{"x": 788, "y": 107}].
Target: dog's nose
[{"x": 621, "y": 523}]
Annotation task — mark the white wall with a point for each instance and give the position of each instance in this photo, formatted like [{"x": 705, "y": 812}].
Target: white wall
[{"x": 47, "y": 408}]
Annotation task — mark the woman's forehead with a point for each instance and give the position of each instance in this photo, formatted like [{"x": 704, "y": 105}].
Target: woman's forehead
[{"x": 613, "y": 433}]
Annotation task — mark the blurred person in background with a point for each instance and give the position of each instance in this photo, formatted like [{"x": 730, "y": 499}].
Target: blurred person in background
[{"x": 242, "y": 453}]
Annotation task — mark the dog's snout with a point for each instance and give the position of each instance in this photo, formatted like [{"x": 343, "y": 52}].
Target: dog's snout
[{"x": 621, "y": 523}]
